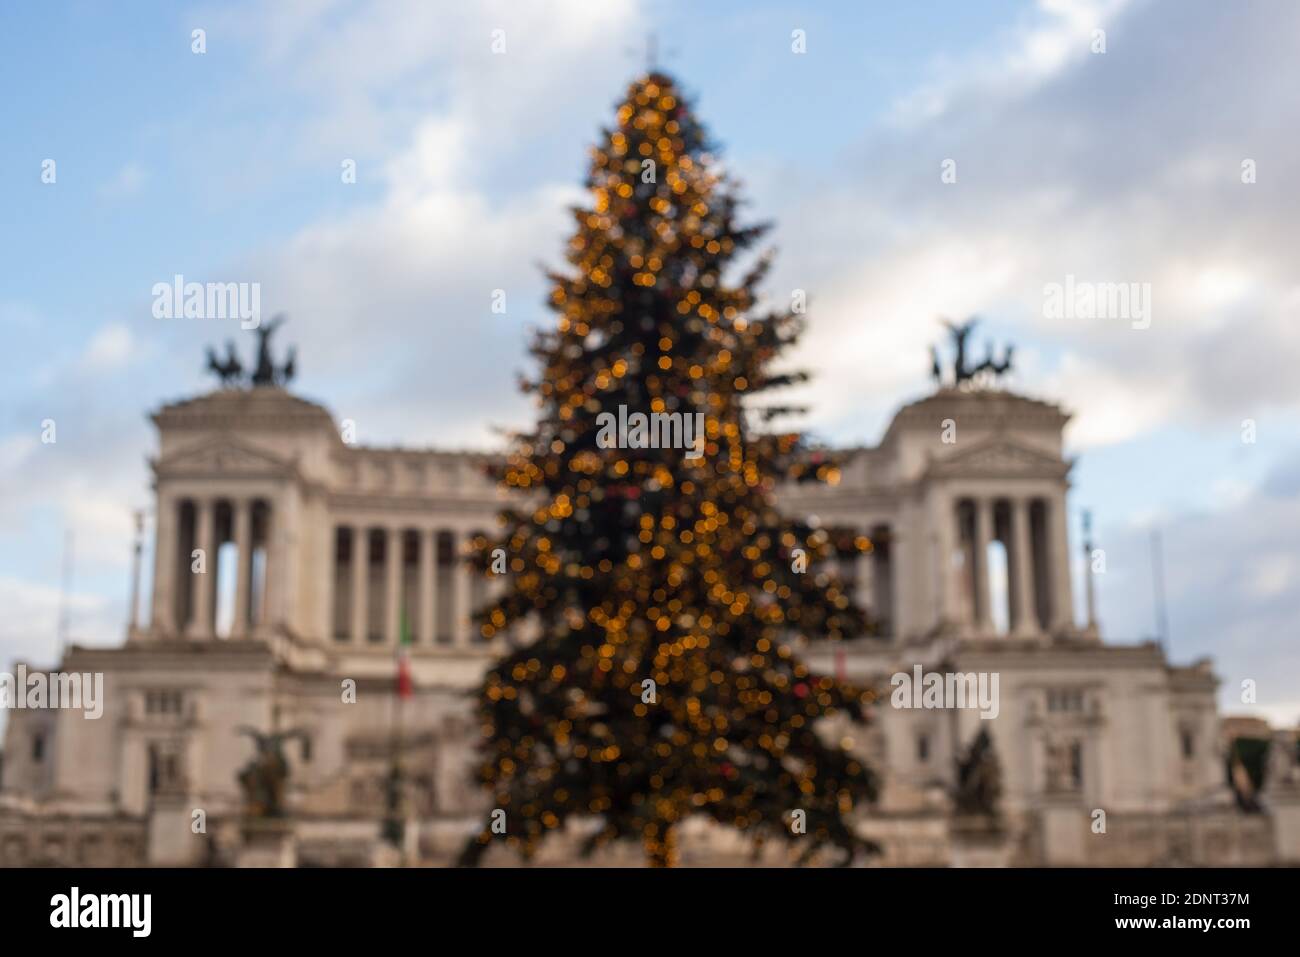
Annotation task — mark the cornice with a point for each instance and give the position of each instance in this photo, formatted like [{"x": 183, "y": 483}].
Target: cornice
[
  {"x": 977, "y": 408},
  {"x": 998, "y": 457}
]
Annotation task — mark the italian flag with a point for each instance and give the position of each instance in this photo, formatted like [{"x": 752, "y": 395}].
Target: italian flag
[{"x": 404, "y": 684}]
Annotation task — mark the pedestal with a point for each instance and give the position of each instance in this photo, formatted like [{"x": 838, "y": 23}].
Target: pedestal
[
  {"x": 1064, "y": 831},
  {"x": 268, "y": 842},
  {"x": 979, "y": 841},
  {"x": 384, "y": 854},
  {"x": 1284, "y": 810},
  {"x": 172, "y": 841}
]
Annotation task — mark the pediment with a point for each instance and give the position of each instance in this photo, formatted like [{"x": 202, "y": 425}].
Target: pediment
[
  {"x": 224, "y": 456},
  {"x": 1000, "y": 458}
]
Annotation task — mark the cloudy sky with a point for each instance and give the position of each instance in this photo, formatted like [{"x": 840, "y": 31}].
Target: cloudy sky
[{"x": 1122, "y": 166}]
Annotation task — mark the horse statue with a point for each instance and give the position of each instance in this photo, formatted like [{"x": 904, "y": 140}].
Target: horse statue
[
  {"x": 230, "y": 369},
  {"x": 287, "y": 370},
  {"x": 997, "y": 368}
]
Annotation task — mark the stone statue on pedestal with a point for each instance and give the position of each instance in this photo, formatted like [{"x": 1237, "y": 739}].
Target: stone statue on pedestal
[
  {"x": 264, "y": 779},
  {"x": 979, "y": 779},
  {"x": 1060, "y": 777}
]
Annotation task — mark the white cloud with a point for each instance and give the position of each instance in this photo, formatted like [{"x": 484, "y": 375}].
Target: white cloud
[
  {"x": 15, "y": 449},
  {"x": 88, "y": 479},
  {"x": 1115, "y": 167},
  {"x": 392, "y": 299},
  {"x": 1272, "y": 575},
  {"x": 111, "y": 346},
  {"x": 1057, "y": 34},
  {"x": 29, "y": 628},
  {"x": 1109, "y": 405},
  {"x": 1232, "y": 581},
  {"x": 370, "y": 72}
]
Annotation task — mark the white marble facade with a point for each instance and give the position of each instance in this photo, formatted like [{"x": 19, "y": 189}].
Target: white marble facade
[{"x": 314, "y": 548}]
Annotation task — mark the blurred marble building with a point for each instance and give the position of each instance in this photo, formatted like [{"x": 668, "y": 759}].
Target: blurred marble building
[{"x": 318, "y": 550}]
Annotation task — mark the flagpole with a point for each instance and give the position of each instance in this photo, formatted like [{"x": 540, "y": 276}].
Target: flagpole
[
  {"x": 395, "y": 824},
  {"x": 65, "y": 591},
  {"x": 397, "y": 765}
]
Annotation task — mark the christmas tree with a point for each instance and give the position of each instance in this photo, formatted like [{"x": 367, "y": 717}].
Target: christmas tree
[{"x": 664, "y": 588}]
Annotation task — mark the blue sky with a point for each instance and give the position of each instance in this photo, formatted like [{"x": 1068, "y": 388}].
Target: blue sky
[{"x": 1122, "y": 166}]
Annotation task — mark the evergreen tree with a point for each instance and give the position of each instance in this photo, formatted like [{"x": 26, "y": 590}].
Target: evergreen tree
[{"x": 664, "y": 586}]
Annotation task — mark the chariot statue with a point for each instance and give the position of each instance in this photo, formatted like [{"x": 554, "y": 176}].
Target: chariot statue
[
  {"x": 963, "y": 371},
  {"x": 265, "y": 372}
]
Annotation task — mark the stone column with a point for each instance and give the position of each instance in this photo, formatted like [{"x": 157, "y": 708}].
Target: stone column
[
  {"x": 899, "y": 589},
  {"x": 948, "y": 584},
  {"x": 273, "y": 574},
  {"x": 427, "y": 589},
  {"x": 393, "y": 586},
  {"x": 1023, "y": 609},
  {"x": 498, "y": 586},
  {"x": 865, "y": 579},
  {"x": 162, "y": 615},
  {"x": 137, "y": 549},
  {"x": 360, "y": 583},
  {"x": 1089, "y": 580},
  {"x": 462, "y": 629},
  {"x": 1059, "y": 566},
  {"x": 983, "y": 535},
  {"x": 243, "y": 565},
  {"x": 205, "y": 518}
]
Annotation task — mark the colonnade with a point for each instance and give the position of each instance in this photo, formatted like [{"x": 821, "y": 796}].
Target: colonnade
[
  {"x": 387, "y": 573},
  {"x": 1032, "y": 530}
]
